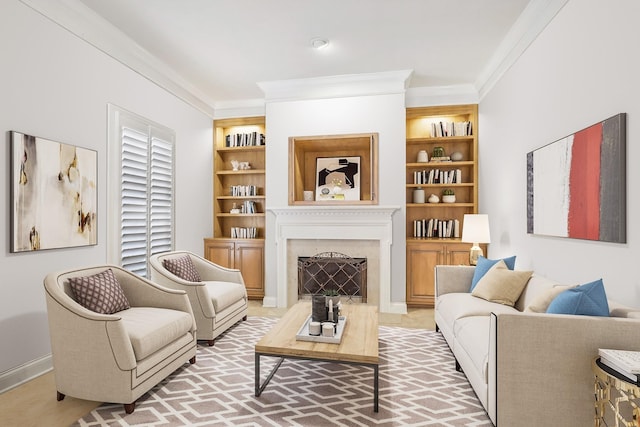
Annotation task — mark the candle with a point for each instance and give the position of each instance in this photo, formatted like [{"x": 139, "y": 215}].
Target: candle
[
  {"x": 314, "y": 328},
  {"x": 327, "y": 329}
]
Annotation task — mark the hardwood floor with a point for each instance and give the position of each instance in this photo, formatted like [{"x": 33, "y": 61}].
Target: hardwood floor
[{"x": 34, "y": 403}]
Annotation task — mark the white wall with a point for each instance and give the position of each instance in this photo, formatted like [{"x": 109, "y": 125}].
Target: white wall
[
  {"x": 56, "y": 86},
  {"x": 582, "y": 69},
  {"x": 384, "y": 114}
]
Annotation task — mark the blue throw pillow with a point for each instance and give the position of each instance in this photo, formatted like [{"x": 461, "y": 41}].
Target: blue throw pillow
[
  {"x": 588, "y": 300},
  {"x": 485, "y": 265}
]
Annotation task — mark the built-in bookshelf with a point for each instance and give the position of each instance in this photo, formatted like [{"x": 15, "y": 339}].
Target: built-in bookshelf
[
  {"x": 239, "y": 199},
  {"x": 446, "y": 136}
]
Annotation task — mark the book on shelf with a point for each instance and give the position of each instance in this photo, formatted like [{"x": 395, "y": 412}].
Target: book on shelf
[
  {"x": 244, "y": 232},
  {"x": 437, "y": 176},
  {"x": 440, "y": 129},
  {"x": 245, "y": 139},
  {"x": 624, "y": 362},
  {"x": 244, "y": 190},
  {"x": 434, "y": 227}
]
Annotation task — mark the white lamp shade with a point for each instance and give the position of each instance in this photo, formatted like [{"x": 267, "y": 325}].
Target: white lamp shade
[{"x": 475, "y": 228}]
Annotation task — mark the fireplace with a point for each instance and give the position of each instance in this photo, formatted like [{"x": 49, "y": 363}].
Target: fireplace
[
  {"x": 333, "y": 271},
  {"x": 360, "y": 231}
]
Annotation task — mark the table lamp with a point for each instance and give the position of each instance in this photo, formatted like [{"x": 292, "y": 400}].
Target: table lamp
[{"x": 475, "y": 230}]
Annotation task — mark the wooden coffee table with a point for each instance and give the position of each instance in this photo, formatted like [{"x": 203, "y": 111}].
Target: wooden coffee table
[{"x": 359, "y": 344}]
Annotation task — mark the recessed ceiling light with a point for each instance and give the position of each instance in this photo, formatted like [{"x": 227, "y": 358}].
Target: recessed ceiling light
[{"x": 319, "y": 43}]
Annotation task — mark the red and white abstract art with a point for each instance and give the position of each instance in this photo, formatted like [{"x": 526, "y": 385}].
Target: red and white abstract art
[{"x": 576, "y": 186}]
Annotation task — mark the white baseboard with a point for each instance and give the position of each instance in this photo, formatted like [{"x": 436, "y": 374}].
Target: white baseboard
[
  {"x": 398, "y": 308},
  {"x": 23, "y": 373},
  {"x": 269, "y": 302}
]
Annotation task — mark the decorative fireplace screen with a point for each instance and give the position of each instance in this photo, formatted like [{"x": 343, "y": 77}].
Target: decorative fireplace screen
[{"x": 333, "y": 271}]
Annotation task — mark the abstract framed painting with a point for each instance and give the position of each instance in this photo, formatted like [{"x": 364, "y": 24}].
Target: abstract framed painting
[
  {"x": 576, "y": 186},
  {"x": 338, "y": 178},
  {"x": 53, "y": 194}
]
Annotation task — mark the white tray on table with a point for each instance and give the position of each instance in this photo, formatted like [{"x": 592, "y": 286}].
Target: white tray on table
[{"x": 303, "y": 333}]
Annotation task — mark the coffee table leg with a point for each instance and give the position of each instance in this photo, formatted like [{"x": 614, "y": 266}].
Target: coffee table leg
[
  {"x": 375, "y": 388},
  {"x": 257, "y": 372},
  {"x": 260, "y": 388}
]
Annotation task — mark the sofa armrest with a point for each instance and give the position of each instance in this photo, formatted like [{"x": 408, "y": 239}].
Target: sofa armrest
[
  {"x": 540, "y": 365},
  {"x": 453, "y": 278},
  {"x": 72, "y": 327},
  {"x": 210, "y": 272}
]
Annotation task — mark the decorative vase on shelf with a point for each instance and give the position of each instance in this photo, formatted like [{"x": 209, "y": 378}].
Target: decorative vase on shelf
[
  {"x": 448, "y": 196},
  {"x": 423, "y": 157},
  {"x": 434, "y": 199},
  {"x": 418, "y": 195},
  {"x": 456, "y": 156}
]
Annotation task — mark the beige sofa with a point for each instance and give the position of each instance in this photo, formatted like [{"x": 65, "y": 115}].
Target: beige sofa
[
  {"x": 117, "y": 357},
  {"x": 528, "y": 369}
]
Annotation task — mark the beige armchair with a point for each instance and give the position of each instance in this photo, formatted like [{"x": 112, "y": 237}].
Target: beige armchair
[
  {"x": 218, "y": 301},
  {"x": 117, "y": 357}
]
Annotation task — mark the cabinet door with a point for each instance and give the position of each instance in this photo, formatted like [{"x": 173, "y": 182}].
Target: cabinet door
[
  {"x": 421, "y": 261},
  {"x": 250, "y": 261},
  {"x": 220, "y": 252},
  {"x": 458, "y": 254}
]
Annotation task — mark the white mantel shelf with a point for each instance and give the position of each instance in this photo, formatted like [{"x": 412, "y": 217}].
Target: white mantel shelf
[{"x": 335, "y": 223}]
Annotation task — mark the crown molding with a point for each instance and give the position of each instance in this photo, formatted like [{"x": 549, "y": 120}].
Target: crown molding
[
  {"x": 531, "y": 22},
  {"x": 81, "y": 21},
  {"x": 239, "y": 108},
  {"x": 336, "y": 86},
  {"x": 441, "y": 95}
]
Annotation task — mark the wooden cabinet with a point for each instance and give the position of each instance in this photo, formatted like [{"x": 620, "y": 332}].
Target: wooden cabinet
[
  {"x": 245, "y": 255},
  {"x": 447, "y": 135},
  {"x": 239, "y": 199},
  {"x": 422, "y": 257}
]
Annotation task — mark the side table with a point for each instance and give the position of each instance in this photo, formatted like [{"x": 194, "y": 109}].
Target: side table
[{"x": 617, "y": 400}]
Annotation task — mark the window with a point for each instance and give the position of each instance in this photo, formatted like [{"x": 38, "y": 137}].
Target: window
[{"x": 141, "y": 155}]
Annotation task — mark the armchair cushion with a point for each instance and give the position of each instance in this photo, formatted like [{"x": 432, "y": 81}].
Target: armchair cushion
[
  {"x": 182, "y": 267},
  {"x": 100, "y": 292},
  {"x": 225, "y": 294},
  {"x": 151, "y": 328}
]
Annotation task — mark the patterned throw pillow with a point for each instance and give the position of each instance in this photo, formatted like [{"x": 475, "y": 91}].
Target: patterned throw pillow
[
  {"x": 183, "y": 268},
  {"x": 100, "y": 293}
]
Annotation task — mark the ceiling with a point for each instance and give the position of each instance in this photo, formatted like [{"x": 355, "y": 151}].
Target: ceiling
[{"x": 220, "y": 49}]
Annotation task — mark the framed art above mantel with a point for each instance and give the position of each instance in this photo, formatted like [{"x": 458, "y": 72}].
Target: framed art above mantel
[
  {"x": 576, "y": 186},
  {"x": 334, "y": 169}
]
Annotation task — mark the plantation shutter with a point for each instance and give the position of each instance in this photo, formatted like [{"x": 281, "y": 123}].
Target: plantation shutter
[{"x": 146, "y": 188}]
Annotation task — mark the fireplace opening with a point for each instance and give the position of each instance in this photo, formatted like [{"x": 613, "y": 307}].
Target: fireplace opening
[{"x": 333, "y": 271}]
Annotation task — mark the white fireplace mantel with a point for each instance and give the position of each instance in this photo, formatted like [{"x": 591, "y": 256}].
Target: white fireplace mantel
[{"x": 335, "y": 223}]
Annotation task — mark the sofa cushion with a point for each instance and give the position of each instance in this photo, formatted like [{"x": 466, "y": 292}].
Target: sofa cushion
[
  {"x": 502, "y": 285},
  {"x": 485, "y": 264},
  {"x": 589, "y": 299},
  {"x": 541, "y": 302},
  {"x": 182, "y": 267},
  {"x": 225, "y": 294},
  {"x": 454, "y": 306},
  {"x": 151, "y": 329},
  {"x": 472, "y": 337},
  {"x": 100, "y": 292}
]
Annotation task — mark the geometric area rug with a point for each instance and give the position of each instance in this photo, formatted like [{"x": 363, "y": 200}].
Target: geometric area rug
[{"x": 418, "y": 386}]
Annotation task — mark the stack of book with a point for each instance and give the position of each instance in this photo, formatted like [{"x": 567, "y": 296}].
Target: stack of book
[
  {"x": 624, "y": 362},
  {"x": 245, "y": 139},
  {"x": 434, "y": 227}
]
